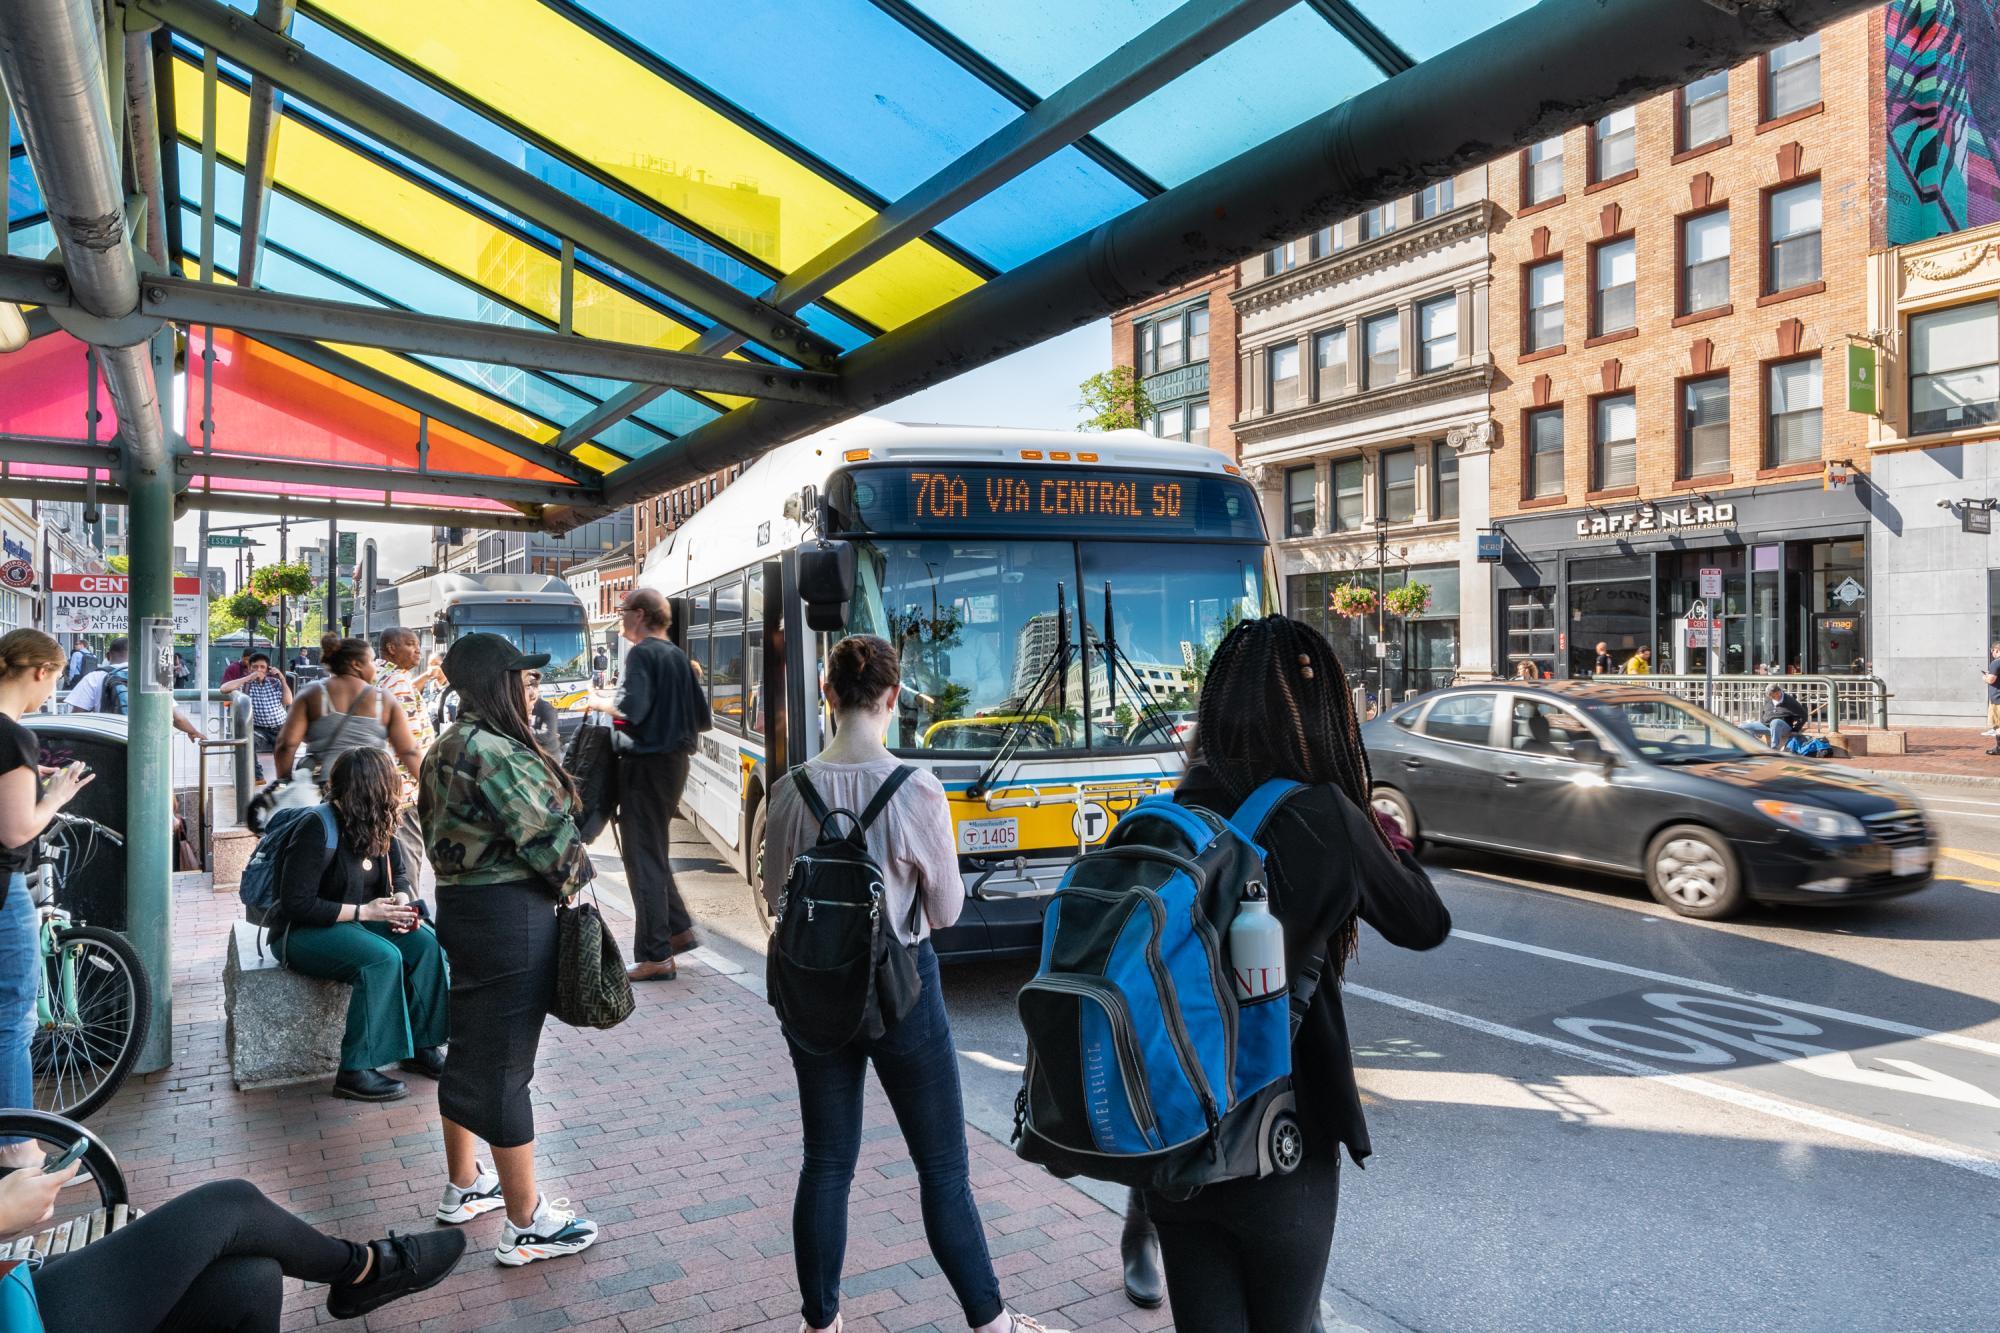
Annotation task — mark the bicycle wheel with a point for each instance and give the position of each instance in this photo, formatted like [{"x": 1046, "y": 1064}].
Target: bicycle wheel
[{"x": 83, "y": 1054}]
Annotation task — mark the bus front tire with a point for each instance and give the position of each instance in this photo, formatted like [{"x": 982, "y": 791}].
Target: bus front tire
[{"x": 755, "y": 861}]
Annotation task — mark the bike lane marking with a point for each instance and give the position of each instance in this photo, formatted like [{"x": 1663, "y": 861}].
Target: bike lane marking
[{"x": 1811, "y": 1117}]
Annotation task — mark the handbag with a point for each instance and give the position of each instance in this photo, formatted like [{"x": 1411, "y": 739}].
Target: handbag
[
  {"x": 592, "y": 760},
  {"x": 592, "y": 990}
]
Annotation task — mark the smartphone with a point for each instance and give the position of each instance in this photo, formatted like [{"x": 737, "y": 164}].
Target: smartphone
[{"x": 55, "y": 1162}]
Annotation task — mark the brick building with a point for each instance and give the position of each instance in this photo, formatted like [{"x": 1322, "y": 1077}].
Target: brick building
[
  {"x": 1183, "y": 346},
  {"x": 1674, "y": 290}
]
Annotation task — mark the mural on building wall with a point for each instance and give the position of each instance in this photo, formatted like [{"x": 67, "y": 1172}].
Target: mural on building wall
[{"x": 1943, "y": 116}]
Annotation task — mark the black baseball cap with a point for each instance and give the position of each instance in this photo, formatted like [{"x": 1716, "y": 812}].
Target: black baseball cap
[{"x": 477, "y": 656}]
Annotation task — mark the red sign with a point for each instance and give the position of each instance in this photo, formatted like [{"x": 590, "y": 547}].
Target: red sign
[{"x": 100, "y": 603}]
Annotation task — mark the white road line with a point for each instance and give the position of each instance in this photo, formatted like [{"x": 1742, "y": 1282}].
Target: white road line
[
  {"x": 1965, "y": 814},
  {"x": 1957, "y": 800},
  {"x": 1735, "y": 993},
  {"x": 1700, "y": 1087}
]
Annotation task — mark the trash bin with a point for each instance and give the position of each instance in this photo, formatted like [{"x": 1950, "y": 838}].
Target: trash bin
[{"x": 98, "y": 895}]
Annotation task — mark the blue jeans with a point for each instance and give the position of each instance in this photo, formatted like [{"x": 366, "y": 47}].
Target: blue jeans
[
  {"x": 918, "y": 1066},
  {"x": 20, "y": 956}
]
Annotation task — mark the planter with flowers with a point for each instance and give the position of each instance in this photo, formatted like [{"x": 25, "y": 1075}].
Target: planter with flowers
[
  {"x": 1353, "y": 600},
  {"x": 1412, "y": 599}
]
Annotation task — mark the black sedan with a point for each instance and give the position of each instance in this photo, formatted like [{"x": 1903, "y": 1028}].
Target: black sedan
[{"x": 1636, "y": 781}]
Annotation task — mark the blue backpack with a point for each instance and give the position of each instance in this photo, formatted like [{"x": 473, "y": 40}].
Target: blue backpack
[
  {"x": 259, "y": 886},
  {"x": 115, "y": 696},
  {"x": 1143, "y": 1067}
]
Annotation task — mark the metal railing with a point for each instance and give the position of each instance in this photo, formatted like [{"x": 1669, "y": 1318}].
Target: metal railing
[{"x": 1831, "y": 701}]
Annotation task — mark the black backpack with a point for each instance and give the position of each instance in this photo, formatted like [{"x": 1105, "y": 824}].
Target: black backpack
[{"x": 835, "y": 970}]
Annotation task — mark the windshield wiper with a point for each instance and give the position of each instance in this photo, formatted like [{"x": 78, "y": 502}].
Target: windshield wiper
[
  {"x": 1150, "y": 712},
  {"x": 1053, "y": 677}
]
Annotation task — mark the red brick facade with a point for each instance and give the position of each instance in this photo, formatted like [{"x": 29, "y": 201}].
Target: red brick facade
[{"x": 1222, "y": 400}]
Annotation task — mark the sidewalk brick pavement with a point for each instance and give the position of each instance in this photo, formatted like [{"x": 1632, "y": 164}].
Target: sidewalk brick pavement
[{"x": 676, "y": 1131}]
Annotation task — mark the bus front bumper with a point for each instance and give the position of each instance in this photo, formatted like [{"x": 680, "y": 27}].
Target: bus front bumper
[{"x": 1004, "y": 903}]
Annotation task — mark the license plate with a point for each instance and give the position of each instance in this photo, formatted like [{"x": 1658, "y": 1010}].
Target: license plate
[
  {"x": 1909, "y": 861},
  {"x": 989, "y": 835}
]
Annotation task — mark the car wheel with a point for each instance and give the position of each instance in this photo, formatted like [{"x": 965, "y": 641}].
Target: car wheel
[
  {"x": 1396, "y": 807},
  {"x": 755, "y": 860},
  {"x": 1691, "y": 870}
]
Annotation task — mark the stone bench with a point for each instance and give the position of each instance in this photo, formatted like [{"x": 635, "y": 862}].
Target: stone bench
[{"x": 282, "y": 1028}]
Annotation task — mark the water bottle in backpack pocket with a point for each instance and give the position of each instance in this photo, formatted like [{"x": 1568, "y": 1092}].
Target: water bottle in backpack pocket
[{"x": 1159, "y": 1022}]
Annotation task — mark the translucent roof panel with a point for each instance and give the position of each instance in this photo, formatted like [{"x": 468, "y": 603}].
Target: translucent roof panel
[
  {"x": 45, "y": 391},
  {"x": 1425, "y": 27}
]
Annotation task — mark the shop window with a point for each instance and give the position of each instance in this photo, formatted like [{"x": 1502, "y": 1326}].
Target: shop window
[
  {"x": 1301, "y": 502},
  {"x": 1378, "y": 221},
  {"x": 1347, "y": 475},
  {"x": 1282, "y": 377},
  {"x": 1527, "y": 618},
  {"x": 1381, "y": 336},
  {"x": 1791, "y": 80},
  {"x": 1615, "y": 442},
  {"x": 1793, "y": 433},
  {"x": 1542, "y": 171},
  {"x": 1545, "y": 305},
  {"x": 1444, "y": 481},
  {"x": 1705, "y": 110},
  {"x": 1437, "y": 332},
  {"x": 1705, "y": 426},
  {"x": 1616, "y": 287},
  {"x": 1434, "y": 199},
  {"x": 1397, "y": 469},
  {"x": 1545, "y": 452},
  {"x": 1330, "y": 362},
  {"x": 1705, "y": 262},
  {"x": 1954, "y": 378},
  {"x": 1793, "y": 224},
  {"x": 1614, "y": 143}
]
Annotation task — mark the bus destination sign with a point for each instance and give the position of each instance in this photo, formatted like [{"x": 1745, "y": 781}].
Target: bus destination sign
[
  {"x": 1059, "y": 501},
  {"x": 951, "y": 495}
]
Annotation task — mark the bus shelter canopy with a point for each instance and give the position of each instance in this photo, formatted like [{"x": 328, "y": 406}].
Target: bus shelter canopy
[{"x": 522, "y": 260}]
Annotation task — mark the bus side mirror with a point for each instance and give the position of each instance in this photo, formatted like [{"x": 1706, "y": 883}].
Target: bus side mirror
[{"x": 826, "y": 583}]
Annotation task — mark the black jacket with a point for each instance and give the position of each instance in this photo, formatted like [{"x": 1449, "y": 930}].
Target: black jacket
[
  {"x": 1328, "y": 864},
  {"x": 1786, "y": 706},
  {"x": 664, "y": 706},
  {"x": 312, "y": 887}
]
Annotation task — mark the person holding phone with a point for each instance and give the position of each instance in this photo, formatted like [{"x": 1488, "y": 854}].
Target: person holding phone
[
  {"x": 270, "y": 696},
  {"x": 347, "y": 912},
  {"x": 31, "y": 665}
]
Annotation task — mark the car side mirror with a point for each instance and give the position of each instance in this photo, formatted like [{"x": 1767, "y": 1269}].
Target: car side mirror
[{"x": 1590, "y": 751}]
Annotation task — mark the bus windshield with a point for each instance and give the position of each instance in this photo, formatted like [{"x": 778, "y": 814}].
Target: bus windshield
[
  {"x": 978, "y": 626},
  {"x": 564, "y": 643}
]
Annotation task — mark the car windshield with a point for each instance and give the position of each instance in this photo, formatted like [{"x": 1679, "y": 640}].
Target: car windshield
[
  {"x": 1667, "y": 730},
  {"x": 978, "y": 627}
]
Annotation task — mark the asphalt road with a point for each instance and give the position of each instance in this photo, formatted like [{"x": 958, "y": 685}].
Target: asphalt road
[{"x": 1589, "y": 1114}]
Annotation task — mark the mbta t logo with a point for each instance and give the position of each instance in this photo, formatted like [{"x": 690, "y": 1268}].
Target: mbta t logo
[{"x": 1090, "y": 822}]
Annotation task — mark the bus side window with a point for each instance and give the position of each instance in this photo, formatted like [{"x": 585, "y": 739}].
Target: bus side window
[
  {"x": 697, "y": 651},
  {"x": 753, "y": 654},
  {"x": 725, "y": 677}
]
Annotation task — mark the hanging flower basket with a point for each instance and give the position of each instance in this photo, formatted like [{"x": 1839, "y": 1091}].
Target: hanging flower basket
[
  {"x": 1353, "y": 600},
  {"x": 1412, "y": 599}
]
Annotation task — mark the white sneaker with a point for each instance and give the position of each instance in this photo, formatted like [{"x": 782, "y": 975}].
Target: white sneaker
[
  {"x": 1029, "y": 1324},
  {"x": 481, "y": 1196},
  {"x": 555, "y": 1230}
]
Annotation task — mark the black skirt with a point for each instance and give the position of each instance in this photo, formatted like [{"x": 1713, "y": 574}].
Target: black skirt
[{"x": 501, "y": 942}]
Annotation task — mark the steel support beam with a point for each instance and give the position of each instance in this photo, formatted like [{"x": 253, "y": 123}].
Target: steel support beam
[
  {"x": 143, "y": 126},
  {"x": 1558, "y": 64},
  {"x": 455, "y": 484},
  {"x": 1177, "y": 43},
  {"x": 284, "y": 506},
  {"x": 260, "y": 154},
  {"x": 348, "y": 98},
  {"x": 52, "y": 60}
]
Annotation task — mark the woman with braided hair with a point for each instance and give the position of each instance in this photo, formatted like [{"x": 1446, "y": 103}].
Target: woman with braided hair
[{"x": 1252, "y": 1254}]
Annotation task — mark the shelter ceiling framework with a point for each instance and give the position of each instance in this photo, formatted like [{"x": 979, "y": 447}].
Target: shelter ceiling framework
[{"x": 511, "y": 263}]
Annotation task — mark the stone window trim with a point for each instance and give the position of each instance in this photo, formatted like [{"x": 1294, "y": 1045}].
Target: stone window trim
[
  {"x": 1804, "y": 112},
  {"x": 1791, "y": 470},
  {"x": 1544, "y": 353},
  {"x": 1690, "y": 154},
  {"x": 1791, "y": 293},
  {"x": 1610, "y": 181},
  {"x": 1615, "y": 493},
  {"x": 1707, "y": 481},
  {"x": 1718, "y": 312},
  {"x": 1527, "y": 210},
  {"x": 1618, "y": 337},
  {"x": 1543, "y": 502}
]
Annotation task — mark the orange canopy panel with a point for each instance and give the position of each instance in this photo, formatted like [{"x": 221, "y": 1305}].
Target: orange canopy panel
[
  {"x": 45, "y": 390},
  {"x": 428, "y": 499},
  {"x": 272, "y": 405}
]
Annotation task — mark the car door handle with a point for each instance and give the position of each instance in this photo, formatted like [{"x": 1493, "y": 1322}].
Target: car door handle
[
  {"x": 1413, "y": 764},
  {"x": 1511, "y": 779}
]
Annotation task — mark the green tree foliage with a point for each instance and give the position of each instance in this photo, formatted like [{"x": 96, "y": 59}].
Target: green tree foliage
[
  {"x": 119, "y": 564},
  {"x": 1114, "y": 399}
]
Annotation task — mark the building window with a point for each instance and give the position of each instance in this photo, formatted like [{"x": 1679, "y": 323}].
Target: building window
[
  {"x": 1301, "y": 502},
  {"x": 1794, "y": 231},
  {"x": 1197, "y": 417},
  {"x": 1545, "y": 452},
  {"x": 1705, "y": 426},
  {"x": 1281, "y": 259},
  {"x": 1171, "y": 423},
  {"x": 1378, "y": 221},
  {"x": 1954, "y": 378},
  {"x": 1330, "y": 362},
  {"x": 1397, "y": 469},
  {"x": 1615, "y": 448},
  {"x": 1542, "y": 172},
  {"x": 1444, "y": 481},
  {"x": 1705, "y": 262},
  {"x": 1172, "y": 341},
  {"x": 1381, "y": 338},
  {"x": 1615, "y": 144},
  {"x": 1792, "y": 83},
  {"x": 1705, "y": 110},
  {"x": 1434, "y": 199},
  {"x": 1347, "y": 495},
  {"x": 1437, "y": 332},
  {"x": 1545, "y": 305},
  {"x": 1617, "y": 303},
  {"x": 1325, "y": 241},
  {"x": 1794, "y": 432},
  {"x": 1283, "y": 379}
]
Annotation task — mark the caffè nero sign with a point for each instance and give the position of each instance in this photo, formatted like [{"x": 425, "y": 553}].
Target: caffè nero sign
[{"x": 1657, "y": 518}]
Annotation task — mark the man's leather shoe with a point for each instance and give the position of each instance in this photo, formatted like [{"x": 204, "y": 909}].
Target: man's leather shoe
[
  {"x": 428, "y": 1061},
  {"x": 661, "y": 971},
  {"x": 1139, "y": 1247},
  {"x": 368, "y": 1085},
  {"x": 684, "y": 941}
]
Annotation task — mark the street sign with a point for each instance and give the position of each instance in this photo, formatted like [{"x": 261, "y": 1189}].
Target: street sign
[
  {"x": 345, "y": 557},
  {"x": 1711, "y": 583},
  {"x": 16, "y": 574},
  {"x": 1705, "y": 636},
  {"x": 1492, "y": 547},
  {"x": 229, "y": 540},
  {"x": 1975, "y": 519},
  {"x": 101, "y": 604}
]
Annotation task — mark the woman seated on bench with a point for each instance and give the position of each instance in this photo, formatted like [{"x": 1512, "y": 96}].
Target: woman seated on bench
[
  {"x": 214, "y": 1258},
  {"x": 348, "y": 913}
]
